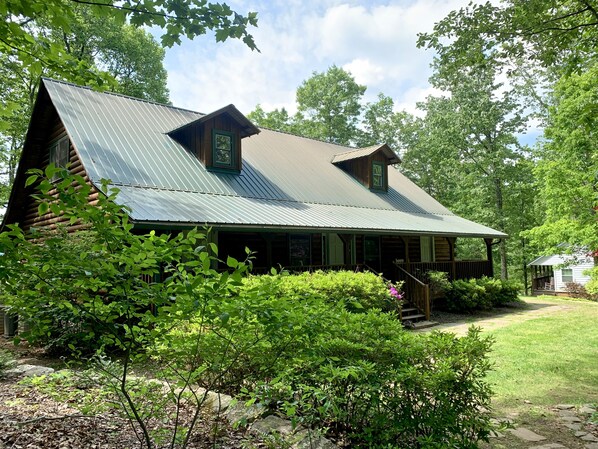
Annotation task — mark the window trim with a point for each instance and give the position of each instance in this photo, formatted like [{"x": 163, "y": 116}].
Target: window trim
[
  {"x": 563, "y": 275},
  {"x": 233, "y": 156},
  {"x": 382, "y": 175}
]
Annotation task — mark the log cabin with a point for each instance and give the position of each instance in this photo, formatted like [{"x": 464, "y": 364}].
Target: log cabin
[{"x": 299, "y": 203}]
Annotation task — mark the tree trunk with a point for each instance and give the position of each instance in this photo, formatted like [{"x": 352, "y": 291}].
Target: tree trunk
[{"x": 501, "y": 223}]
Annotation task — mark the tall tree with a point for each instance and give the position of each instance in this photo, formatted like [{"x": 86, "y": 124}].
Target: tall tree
[
  {"x": 469, "y": 148},
  {"x": 567, "y": 166},
  {"x": 177, "y": 19},
  {"x": 128, "y": 55},
  {"x": 329, "y": 106}
]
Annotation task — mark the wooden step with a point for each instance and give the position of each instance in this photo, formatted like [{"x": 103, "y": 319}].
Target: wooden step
[{"x": 413, "y": 317}]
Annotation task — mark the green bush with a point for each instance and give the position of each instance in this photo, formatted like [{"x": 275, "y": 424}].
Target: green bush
[
  {"x": 357, "y": 291},
  {"x": 480, "y": 294}
]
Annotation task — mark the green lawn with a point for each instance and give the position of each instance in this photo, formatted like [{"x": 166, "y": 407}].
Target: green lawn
[{"x": 547, "y": 360}]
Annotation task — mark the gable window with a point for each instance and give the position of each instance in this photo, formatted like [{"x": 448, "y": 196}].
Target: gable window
[
  {"x": 567, "y": 274},
  {"x": 59, "y": 152},
  {"x": 377, "y": 175},
  {"x": 223, "y": 145}
]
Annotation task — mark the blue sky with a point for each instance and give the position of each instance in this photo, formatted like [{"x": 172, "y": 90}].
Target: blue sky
[{"x": 374, "y": 40}]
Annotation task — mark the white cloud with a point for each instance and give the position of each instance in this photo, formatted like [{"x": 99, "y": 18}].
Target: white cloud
[{"x": 376, "y": 43}]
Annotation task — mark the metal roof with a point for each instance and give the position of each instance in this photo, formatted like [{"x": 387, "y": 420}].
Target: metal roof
[
  {"x": 364, "y": 152},
  {"x": 248, "y": 128},
  {"x": 286, "y": 181},
  {"x": 560, "y": 259}
]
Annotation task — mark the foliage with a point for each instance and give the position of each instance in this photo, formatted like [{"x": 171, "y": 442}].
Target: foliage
[
  {"x": 330, "y": 105},
  {"x": 6, "y": 361},
  {"x": 107, "y": 287},
  {"x": 480, "y": 294},
  {"x": 355, "y": 291},
  {"x": 177, "y": 20},
  {"x": 576, "y": 290},
  {"x": 381, "y": 386},
  {"x": 438, "y": 281},
  {"x": 567, "y": 167},
  {"x": 359, "y": 374},
  {"x": 556, "y": 34}
]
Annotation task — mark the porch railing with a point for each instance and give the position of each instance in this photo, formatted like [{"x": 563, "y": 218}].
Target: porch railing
[
  {"x": 543, "y": 283},
  {"x": 459, "y": 269},
  {"x": 311, "y": 268},
  {"x": 417, "y": 291}
]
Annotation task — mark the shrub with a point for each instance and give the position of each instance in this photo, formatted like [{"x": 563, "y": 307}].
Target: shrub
[
  {"x": 577, "y": 290},
  {"x": 480, "y": 294},
  {"x": 356, "y": 291},
  {"x": 378, "y": 386}
]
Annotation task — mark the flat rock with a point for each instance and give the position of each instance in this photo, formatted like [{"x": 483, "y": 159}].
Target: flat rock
[
  {"x": 313, "y": 441},
  {"x": 241, "y": 414},
  {"x": 28, "y": 371},
  {"x": 218, "y": 402},
  {"x": 526, "y": 435},
  {"x": 565, "y": 406},
  {"x": 590, "y": 437},
  {"x": 496, "y": 434},
  {"x": 550, "y": 446},
  {"x": 591, "y": 446},
  {"x": 272, "y": 424},
  {"x": 580, "y": 433},
  {"x": 587, "y": 410},
  {"x": 573, "y": 426},
  {"x": 570, "y": 419}
]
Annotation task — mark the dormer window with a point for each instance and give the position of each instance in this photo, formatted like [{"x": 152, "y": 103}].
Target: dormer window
[
  {"x": 215, "y": 138},
  {"x": 223, "y": 147},
  {"x": 378, "y": 169},
  {"x": 368, "y": 165}
]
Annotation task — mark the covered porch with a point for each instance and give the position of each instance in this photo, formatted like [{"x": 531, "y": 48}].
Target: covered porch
[{"x": 406, "y": 258}]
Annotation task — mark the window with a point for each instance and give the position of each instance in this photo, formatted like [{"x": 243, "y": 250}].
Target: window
[
  {"x": 377, "y": 175},
  {"x": 427, "y": 248},
  {"x": 567, "y": 274},
  {"x": 59, "y": 152},
  {"x": 372, "y": 252},
  {"x": 223, "y": 145},
  {"x": 300, "y": 248}
]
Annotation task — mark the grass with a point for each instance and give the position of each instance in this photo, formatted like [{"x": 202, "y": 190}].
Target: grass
[{"x": 547, "y": 360}]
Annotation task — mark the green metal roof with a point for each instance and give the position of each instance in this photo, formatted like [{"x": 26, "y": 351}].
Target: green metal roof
[{"x": 286, "y": 181}]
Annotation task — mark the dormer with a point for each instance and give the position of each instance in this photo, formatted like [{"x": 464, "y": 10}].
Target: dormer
[
  {"x": 368, "y": 165},
  {"x": 215, "y": 138}
]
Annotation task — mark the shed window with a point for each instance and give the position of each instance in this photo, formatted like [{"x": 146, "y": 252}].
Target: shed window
[
  {"x": 377, "y": 175},
  {"x": 223, "y": 144},
  {"x": 567, "y": 274}
]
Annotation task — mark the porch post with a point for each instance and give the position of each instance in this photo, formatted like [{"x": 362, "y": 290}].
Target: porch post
[
  {"x": 268, "y": 238},
  {"x": 489, "y": 255},
  {"x": 451, "y": 241}
]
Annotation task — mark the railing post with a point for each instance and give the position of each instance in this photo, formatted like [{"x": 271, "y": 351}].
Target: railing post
[{"x": 427, "y": 298}]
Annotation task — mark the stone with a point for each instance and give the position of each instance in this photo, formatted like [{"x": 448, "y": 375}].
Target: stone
[
  {"x": 526, "y": 435},
  {"x": 241, "y": 414},
  {"x": 580, "y": 433},
  {"x": 28, "y": 371},
  {"x": 496, "y": 434},
  {"x": 565, "y": 406},
  {"x": 218, "y": 402},
  {"x": 311, "y": 440},
  {"x": 272, "y": 424},
  {"x": 591, "y": 446},
  {"x": 587, "y": 410},
  {"x": 550, "y": 446},
  {"x": 575, "y": 426},
  {"x": 590, "y": 437},
  {"x": 570, "y": 419}
]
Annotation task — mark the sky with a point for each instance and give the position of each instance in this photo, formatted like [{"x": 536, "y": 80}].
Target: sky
[{"x": 374, "y": 40}]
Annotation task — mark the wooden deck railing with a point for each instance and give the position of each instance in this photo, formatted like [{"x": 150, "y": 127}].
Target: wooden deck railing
[
  {"x": 459, "y": 269},
  {"x": 417, "y": 292},
  {"x": 311, "y": 268}
]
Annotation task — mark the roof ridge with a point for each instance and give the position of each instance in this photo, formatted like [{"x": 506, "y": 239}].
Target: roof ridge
[
  {"x": 308, "y": 138},
  {"x": 117, "y": 94},
  {"x": 121, "y": 184},
  {"x": 362, "y": 148}
]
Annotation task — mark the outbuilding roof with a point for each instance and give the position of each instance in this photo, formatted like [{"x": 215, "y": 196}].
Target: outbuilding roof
[{"x": 286, "y": 181}]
